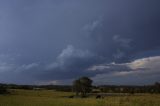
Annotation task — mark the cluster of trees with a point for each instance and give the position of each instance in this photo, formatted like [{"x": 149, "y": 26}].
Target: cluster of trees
[
  {"x": 130, "y": 89},
  {"x": 83, "y": 85},
  {"x": 65, "y": 88}
]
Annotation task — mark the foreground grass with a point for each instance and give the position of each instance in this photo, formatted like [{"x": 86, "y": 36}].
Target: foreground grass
[{"x": 53, "y": 98}]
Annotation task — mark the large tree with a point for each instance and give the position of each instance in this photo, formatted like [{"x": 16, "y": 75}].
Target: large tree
[{"x": 82, "y": 86}]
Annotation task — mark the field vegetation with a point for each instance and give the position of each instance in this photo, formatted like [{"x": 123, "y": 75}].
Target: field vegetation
[{"x": 19, "y": 97}]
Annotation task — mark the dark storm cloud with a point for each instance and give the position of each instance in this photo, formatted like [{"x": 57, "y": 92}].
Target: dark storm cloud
[
  {"x": 137, "y": 25},
  {"x": 65, "y": 66},
  {"x": 35, "y": 34}
]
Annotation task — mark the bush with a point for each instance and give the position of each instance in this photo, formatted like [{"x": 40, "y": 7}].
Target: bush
[{"x": 3, "y": 89}]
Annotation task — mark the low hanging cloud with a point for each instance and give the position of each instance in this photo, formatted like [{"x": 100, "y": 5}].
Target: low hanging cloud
[
  {"x": 148, "y": 64},
  {"x": 65, "y": 66},
  {"x": 69, "y": 56},
  {"x": 21, "y": 74},
  {"x": 64, "y": 70},
  {"x": 138, "y": 71}
]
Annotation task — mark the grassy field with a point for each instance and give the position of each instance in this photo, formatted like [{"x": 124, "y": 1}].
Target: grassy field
[{"x": 54, "y": 98}]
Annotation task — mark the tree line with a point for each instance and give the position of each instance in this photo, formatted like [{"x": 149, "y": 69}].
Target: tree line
[{"x": 83, "y": 85}]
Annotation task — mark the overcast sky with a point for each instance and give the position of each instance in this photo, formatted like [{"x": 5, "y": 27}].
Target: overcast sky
[{"x": 57, "y": 41}]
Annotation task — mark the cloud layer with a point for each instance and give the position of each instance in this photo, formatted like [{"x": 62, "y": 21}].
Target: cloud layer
[
  {"x": 135, "y": 72},
  {"x": 58, "y": 41}
]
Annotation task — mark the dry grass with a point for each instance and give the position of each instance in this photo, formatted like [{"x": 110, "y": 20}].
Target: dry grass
[{"x": 53, "y": 98}]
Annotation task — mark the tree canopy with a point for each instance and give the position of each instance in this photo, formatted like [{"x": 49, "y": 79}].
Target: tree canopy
[{"x": 82, "y": 86}]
